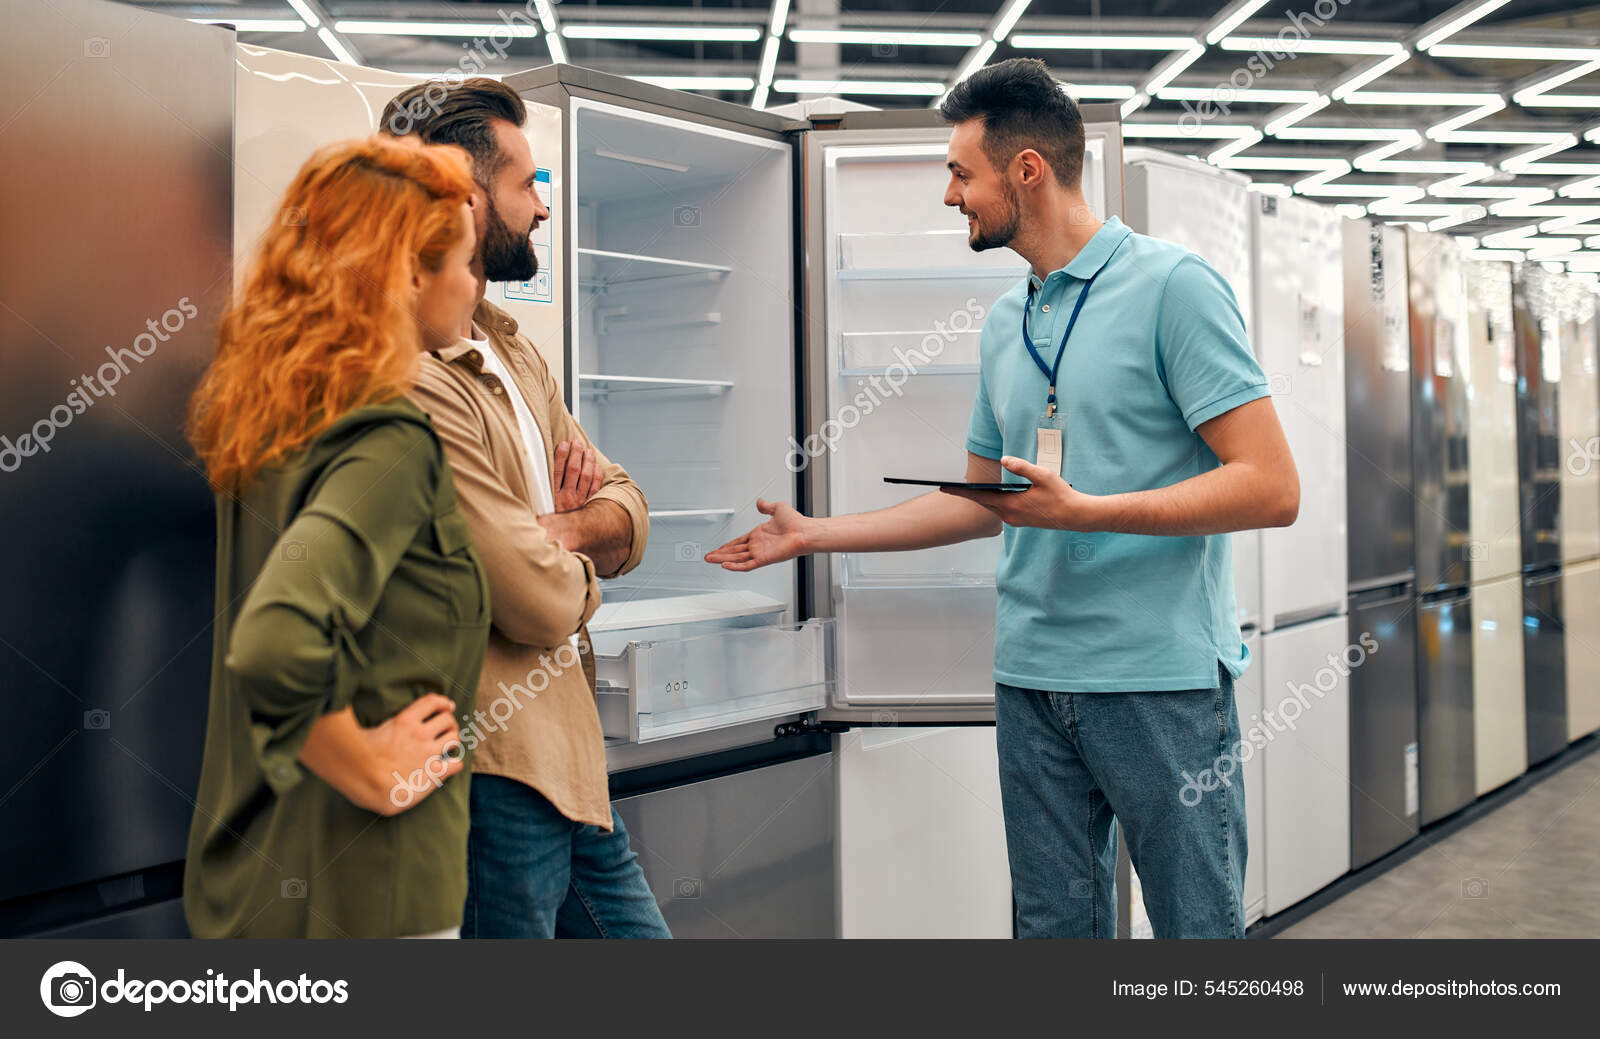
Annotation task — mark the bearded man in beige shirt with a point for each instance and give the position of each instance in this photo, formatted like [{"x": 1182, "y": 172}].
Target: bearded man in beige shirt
[{"x": 547, "y": 855}]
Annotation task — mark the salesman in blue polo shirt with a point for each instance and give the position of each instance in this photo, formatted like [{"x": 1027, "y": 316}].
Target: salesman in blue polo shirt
[{"x": 1118, "y": 382}]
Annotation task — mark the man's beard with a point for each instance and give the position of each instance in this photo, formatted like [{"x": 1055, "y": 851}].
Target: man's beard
[
  {"x": 999, "y": 237},
  {"x": 507, "y": 256}
]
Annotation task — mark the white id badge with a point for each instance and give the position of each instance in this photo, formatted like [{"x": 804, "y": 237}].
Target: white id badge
[{"x": 1052, "y": 445}]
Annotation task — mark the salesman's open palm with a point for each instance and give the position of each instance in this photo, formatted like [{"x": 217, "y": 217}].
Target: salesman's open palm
[{"x": 780, "y": 538}]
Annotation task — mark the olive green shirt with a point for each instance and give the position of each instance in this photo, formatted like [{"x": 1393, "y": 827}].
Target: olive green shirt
[{"x": 345, "y": 577}]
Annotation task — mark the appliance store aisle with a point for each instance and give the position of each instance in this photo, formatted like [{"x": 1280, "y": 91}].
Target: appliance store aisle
[{"x": 1527, "y": 869}]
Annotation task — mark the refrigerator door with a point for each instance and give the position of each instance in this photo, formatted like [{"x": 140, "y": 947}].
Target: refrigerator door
[
  {"x": 897, "y": 297},
  {"x": 1440, "y": 368},
  {"x": 920, "y": 826},
  {"x": 1445, "y": 735},
  {"x": 1207, "y": 211},
  {"x": 1540, "y": 452},
  {"x": 1495, "y": 549},
  {"x": 1544, "y": 661},
  {"x": 1581, "y": 594},
  {"x": 1580, "y": 424},
  {"x": 1248, "y": 702},
  {"x": 1299, "y": 330},
  {"x": 1307, "y": 760},
  {"x": 1383, "y": 726},
  {"x": 1499, "y": 713},
  {"x": 679, "y": 245},
  {"x": 1377, "y": 400}
]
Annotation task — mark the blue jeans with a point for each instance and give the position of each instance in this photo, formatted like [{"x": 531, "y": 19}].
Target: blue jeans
[
  {"x": 1071, "y": 762},
  {"x": 534, "y": 873}
]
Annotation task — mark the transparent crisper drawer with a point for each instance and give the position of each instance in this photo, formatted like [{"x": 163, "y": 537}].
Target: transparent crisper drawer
[
  {"x": 652, "y": 689},
  {"x": 916, "y": 253}
]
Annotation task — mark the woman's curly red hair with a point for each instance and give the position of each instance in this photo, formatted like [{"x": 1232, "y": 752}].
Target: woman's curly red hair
[{"x": 324, "y": 321}]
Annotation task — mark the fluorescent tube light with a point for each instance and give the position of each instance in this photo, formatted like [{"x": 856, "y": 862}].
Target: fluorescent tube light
[{"x": 687, "y": 33}]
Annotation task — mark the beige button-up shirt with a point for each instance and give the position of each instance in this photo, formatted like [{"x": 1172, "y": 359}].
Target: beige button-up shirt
[{"x": 536, "y": 720}]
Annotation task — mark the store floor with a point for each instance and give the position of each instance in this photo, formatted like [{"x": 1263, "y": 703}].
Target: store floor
[{"x": 1529, "y": 869}]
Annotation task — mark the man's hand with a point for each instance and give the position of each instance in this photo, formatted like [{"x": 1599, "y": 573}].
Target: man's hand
[
  {"x": 1050, "y": 502},
  {"x": 781, "y": 538},
  {"x": 576, "y": 476}
]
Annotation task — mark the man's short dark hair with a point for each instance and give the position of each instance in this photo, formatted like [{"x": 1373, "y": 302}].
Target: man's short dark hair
[
  {"x": 1022, "y": 106},
  {"x": 441, "y": 112}
]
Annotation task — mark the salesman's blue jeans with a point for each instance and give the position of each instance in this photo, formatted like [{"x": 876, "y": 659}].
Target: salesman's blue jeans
[
  {"x": 533, "y": 873},
  {"x": 1070, "y": 762}
]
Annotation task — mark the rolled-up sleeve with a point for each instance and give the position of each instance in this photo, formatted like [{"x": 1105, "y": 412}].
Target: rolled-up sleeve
[
  {"x": 539, "y": 593},
  {"x": 293, "y": 652}
]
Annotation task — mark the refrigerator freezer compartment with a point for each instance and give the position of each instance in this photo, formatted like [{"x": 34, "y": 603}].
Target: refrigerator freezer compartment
[
  {"x": 605, "y": 268},
  {"x": 925, "y": 351},
  {"x": 882, "y": 253},
  {"x": 677, "y": 686},
  {"x": 902, "y": 647}
]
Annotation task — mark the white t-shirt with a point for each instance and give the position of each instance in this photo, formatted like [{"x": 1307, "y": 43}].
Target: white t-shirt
[{"x": 532, "y": 438}]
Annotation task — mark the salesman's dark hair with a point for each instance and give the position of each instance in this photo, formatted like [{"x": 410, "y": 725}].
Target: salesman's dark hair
[
  {"x": 462, "y": 114},
  {"x": 1022, "y": 106}
]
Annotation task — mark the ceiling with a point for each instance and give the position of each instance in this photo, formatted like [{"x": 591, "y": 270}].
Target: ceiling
[{"x": 1479, "y": 118}]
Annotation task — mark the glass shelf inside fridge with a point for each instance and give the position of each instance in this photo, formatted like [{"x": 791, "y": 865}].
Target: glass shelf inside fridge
[{"x": 683, "y": 362}]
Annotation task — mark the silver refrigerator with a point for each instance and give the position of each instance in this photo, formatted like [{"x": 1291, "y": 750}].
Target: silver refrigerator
[
  {"x": 1440, "y": 425},
  {"x": 1382, "y": 572},
  {"x": 1536, "y": 318}
]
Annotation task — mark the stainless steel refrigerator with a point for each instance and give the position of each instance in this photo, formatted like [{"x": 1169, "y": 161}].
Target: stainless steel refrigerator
[
  {"x": 117, "y": 164},
  {"x": 1540, "y": 454},
  {"x": 1440, "y": 426},
  {"x": 1382, "y": 574},
  {"x": 1580, "y": 505}
]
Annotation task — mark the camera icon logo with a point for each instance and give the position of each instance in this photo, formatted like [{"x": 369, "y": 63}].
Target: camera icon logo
[
  {"x": 1476, "y": 552},
  {"x": 292, "y": 887},
  {"x": 67, "y": 989},
  {"x": 1081, "y": 551},
  {"x": 97, "y": 47},
  {"x": 1278, "y": 385},
  {"x": 293, "y": 551},
  {"x": 885, "y": 718},
  {"x": 1475, "y": 887},
  {"x": 685, "y": 216},
  {"x": 687, "y": 551},
  {"x": 97, "y": 719},
  {"x": 686, "y": 887},
  {"x": 884, "y": 49},
  {"x": 1080, "y": 887}
]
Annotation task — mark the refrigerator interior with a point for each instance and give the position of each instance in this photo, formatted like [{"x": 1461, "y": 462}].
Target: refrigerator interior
[
  {"x": 1306, "y": 763},
  {"x": 1445, "y": 726},
  {"x": 1299, "y": 334},
  {"x": 1377, "y": 396},
  {"x": 1440, "y": 368},
  {"x": 1579, "y": 414},
  {"x": 683, "y": 371},
  {"x": 1544, "y": 662},
  {"x": 1499, "y": 713},
  {"x": 1581, "y": 594},
  {"x": 921, "y": 838},
  {"x": 1383, "y": 725},
  {"x": 1207, "y": 211},
  {"x": 903, "y": 303}
]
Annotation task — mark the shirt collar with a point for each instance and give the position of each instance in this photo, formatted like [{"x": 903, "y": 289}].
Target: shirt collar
[
  {"x": 491, "y": 320},
  {"x": 1094, "y": 254}
]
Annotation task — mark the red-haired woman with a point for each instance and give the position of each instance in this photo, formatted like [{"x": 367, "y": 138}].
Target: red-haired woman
[{"x": 352, "y": 611}]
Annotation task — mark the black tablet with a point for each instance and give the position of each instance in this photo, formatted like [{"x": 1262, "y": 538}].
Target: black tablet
[{"x": 959, "y": 483}]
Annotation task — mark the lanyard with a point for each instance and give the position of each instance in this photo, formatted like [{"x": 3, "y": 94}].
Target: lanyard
[{"x": 1027, "y": 340}]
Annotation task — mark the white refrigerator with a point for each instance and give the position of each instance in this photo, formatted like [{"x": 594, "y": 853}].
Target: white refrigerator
[
  {"x": 1580, "y": 504},
  {"x": 1495, "y": 548},
  {"x": 1299, "y": 337}
]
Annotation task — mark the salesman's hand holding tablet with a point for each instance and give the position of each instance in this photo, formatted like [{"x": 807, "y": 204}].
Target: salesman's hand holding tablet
[{"x": 1045, "y": 501}]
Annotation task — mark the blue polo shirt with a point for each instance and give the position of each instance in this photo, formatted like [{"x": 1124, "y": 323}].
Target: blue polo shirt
[{"x": 1159, "y": 348}]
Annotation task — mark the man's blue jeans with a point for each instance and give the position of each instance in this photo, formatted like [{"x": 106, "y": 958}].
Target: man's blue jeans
[
  {"x": 533, "y": 873},
  {"x": 1070, "y": 762}
]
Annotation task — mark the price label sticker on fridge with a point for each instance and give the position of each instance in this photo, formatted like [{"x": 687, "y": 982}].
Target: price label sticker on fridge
[
  {"x": 1052, "y": 443},
  {"x": 1411, "y": 779}
]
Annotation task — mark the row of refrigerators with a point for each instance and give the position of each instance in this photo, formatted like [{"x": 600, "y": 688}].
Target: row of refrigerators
[{"x": 747, "y": 304}]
